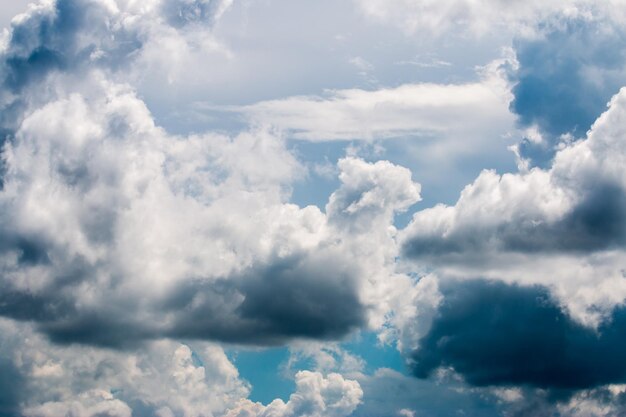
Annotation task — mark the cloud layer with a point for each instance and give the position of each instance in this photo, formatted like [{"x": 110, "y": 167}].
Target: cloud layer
[{"x": 131, "y": 256}]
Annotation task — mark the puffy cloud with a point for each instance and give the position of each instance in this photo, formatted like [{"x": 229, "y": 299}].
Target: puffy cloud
[
  {"x": 162, "y": 378},
  {"x": 492, "y": 333},
  {"x": 102, "y": 208},
  {"x": 124, "y": 208},
  {"x": 115, "y": 232},
  {"x": 125, "y": 39},
  {"x": 315, "y": 396},
  {"x": 567, "y": 221},
  {"x": 89, "y": 404}
]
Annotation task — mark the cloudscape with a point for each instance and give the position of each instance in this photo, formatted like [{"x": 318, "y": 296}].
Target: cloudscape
[{"x": 288, "y": 208}]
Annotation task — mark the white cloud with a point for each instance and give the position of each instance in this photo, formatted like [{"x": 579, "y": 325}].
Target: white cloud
[
  {"x": 84, "y": 381},
  {"x": 560, "y": 227},
  {"x": 102, "y": 208},
  {"x": 89, "y": 404},
  {"x": 440, "y": 110},
  {"x": 316, "y": 396},
  {"x": 477, "y": 17},
  {"x": 163, "y": 378}
]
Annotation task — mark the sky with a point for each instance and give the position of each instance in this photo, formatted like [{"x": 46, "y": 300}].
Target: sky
[{"x": 285, "y": 208}]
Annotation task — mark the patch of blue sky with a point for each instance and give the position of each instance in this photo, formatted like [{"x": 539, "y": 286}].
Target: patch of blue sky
[{"x": 262, "y": 369}]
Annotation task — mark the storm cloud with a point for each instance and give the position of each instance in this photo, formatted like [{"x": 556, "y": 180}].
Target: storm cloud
[{"x": 493, "y": 333}]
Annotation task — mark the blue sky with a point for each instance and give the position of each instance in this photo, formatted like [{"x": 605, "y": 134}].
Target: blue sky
[{"x": 278, "y": 208}]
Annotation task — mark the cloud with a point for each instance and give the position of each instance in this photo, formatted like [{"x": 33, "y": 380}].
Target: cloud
[
  {"x": 315, "y": 396},
  {"x": 408, "y": 110},
  {"x": 115, "y": 232},
  {"x": 163, "y": 378},
  {"x": 492, "y": 333},
  {"x": 85, "y": 381},
  {"x": 479, "y": 18},
  {"x": 130, "y": 213},
  {"x": 566, "y": 73},
  {"x": 312, "y": 297},
  {"x": 120, "y": 38},
  {"x": 567, "y": 221},
  {"x": 197, "y": 228}
]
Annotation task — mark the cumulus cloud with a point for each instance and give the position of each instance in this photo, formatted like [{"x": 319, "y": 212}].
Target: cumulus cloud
[
  {"x": 315, "y": 396},
  {"x": 124, "y": 39},
  {"x": 164, "y": 378},
  {"x": 130, "y": 213},
  {"x": 567, "y": 221},
  {"x": 118, "y": 237},
  {"x": 87, "y": 381},
  {"x": 497, "y": 334}
]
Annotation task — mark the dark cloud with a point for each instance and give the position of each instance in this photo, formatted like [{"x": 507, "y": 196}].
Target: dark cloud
[
  {"x": 43, "y": 43},
  {"x": 111, "y": 328},
  {"x": 313, "y": 298},
  {"x": 565, "y": 79},
  {"x": 507, "y": 335},
  {"x": 297, "y": 297},
  {"x": 596, "y": 222},
  {"x": 11, "y": 387}
]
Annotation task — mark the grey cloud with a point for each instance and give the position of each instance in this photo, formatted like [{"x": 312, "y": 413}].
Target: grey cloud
[
  {"x": 596, "y": 222},
  {"x": 576, "y": 207},
  {"x": 508, "y": 335},
  {"x": 307, "y": 297},
  {"x": 285, "y": 300},
  {"x": 11, "y": 386},
  {"x": 308, "y": 292}
]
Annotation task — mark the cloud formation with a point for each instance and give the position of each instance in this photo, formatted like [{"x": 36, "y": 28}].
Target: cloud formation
[
  {"x": 408, "y": 110},
  {"x": 492, "y": 333},
  {"x": 166, "y": 220},
  {"x": 127, "y": 250},
  {"x": 566, "y": 221},
  {"x": 115, "y": 232},
  {"x": 165, "y": 378},
  {"x": 315, "y": 396}
]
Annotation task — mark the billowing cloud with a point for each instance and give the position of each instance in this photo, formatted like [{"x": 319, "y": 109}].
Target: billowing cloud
[
  {"x": 492, "y": 333},
  {"x": 315, "y": 396},
  {"x": 131, "y": 213},
  {"x": 567, "y": 221},
  {"x": 87, "y": 381},
  {"x": 127, "y": 250},
  {"x": 164, "y": 378},
  {"x": 115, "y": 232}
]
